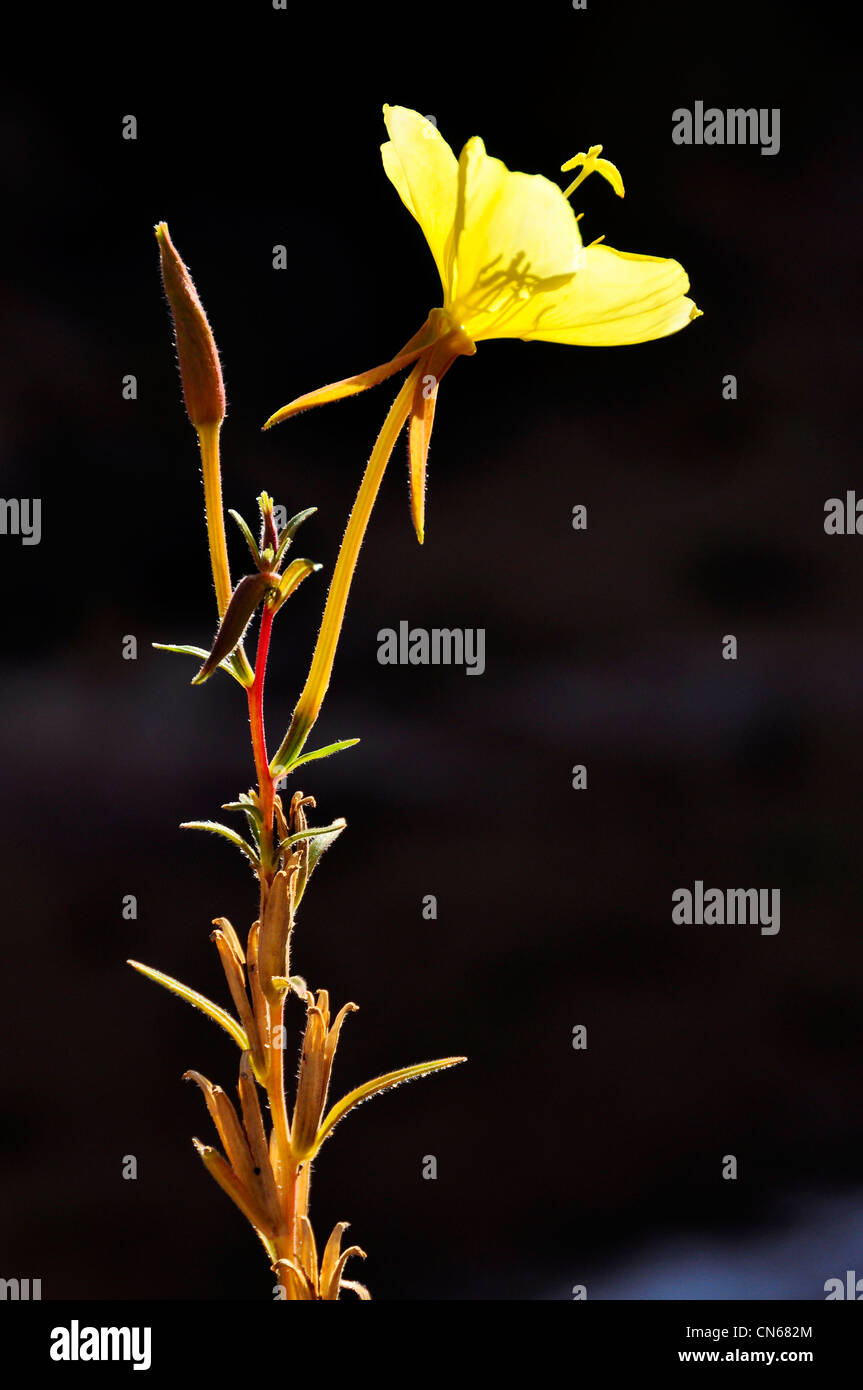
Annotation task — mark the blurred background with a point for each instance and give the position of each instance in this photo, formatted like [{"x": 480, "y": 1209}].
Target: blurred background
[{"x": 556, "y": 1167}]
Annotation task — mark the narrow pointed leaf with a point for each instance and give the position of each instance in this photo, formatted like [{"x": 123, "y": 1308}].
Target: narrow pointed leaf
[
  {"x": 327, "y": 830},
  {"x": 247, "y": 807},
  {"x": 373, "y": 1088},
  {"x": 201, "y": 653},
  {"x": 297, "y": 571},
  {"x": 240, "y": 667},
  {"x": 238, "y": 614},
  {"x": 327, "y": 752},
  {"x": 216, "y": 828},
  {"x": 318, "y": 845},
  {"x": 198, "y": 1001},
  {"x": 252, "y": 814},
  {"x": 250, "y": 540},
  {"x": 290, "y": 531}
]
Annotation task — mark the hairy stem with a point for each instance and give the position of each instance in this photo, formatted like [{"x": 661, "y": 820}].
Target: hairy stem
[
  {"x": 266, "y": 785},
  {"x": 208, "y": 438},
  {"x": 309, "y": 704}
]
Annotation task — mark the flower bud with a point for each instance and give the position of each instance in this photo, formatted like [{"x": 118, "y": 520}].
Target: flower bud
[{"x": 203, "y": 388}]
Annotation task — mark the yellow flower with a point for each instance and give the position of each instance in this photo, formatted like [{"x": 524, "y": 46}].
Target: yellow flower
[{"x": 512, "y": 264}]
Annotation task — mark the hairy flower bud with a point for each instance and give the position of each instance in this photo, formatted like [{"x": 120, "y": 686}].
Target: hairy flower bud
[{"x": 203, "y": 388}]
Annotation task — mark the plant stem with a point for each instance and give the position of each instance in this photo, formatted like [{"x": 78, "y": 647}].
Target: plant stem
[
  {"x": 279, "y": 1108},
  {"x": 208, "y": 438},
  {"x": 266, "y": 784},
  {"x": 309, "y": 704},
  {"x": 274, "y": 1043},
  {"x": 286, "y": 1242}
]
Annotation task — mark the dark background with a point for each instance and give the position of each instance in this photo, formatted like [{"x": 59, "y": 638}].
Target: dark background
[{"x": 258, "y": 127}]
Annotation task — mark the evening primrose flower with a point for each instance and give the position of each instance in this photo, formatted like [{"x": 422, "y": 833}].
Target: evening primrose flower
[{"x": 512, "y": 264}]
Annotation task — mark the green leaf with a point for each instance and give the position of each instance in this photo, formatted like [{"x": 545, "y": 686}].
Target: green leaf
[
  {"x": 321, "y": 843},
  {"x": 312, "y": 859},
  {"x": 247, "y": 806},
  {"x": 198, "y": 1001},
  {"x": 330, "y": 830},
  {"x": 250, "y": 540},
  {"x": 216, "y": 828},
  {"x": 290, "y": 581},
  {"x": 202, "y": 654},
  {"x": 290, "y": 531},
  {"x": 241, "y": 669},
  {"x": 327, "y": 752},
  {"x": 373, "y": 1088}
]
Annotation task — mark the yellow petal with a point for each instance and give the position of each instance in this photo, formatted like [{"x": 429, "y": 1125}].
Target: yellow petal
[
  {"x": 514, "y": 236},
  {"x": 424, "y": 170},
  {"x": 615, "y": 298}
]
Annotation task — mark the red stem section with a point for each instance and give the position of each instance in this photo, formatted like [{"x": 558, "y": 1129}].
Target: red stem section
[{"x": 266, "y": 785}]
